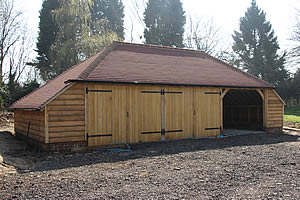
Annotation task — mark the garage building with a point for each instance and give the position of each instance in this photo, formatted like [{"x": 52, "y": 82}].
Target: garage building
[{"x": 143, "y": 93}]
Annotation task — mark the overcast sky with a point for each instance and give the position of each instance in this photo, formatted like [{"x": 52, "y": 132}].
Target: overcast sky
[{"x": 225, "y": 14}]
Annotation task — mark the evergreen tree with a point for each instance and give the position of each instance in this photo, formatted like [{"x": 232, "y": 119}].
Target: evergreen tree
[
  {"x": 76, "y": 36},
  {"x": 113, "y": 11},
  {"x": 256, "y": 46},
  {"x": 47, "y": 34},
  {"x": 164, "y": 20}
]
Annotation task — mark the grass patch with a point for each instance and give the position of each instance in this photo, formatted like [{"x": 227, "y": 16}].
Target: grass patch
[{"x": 292, "y": 114}]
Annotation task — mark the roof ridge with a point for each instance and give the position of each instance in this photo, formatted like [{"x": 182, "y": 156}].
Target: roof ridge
[
  {"x": 102, "y": 54},
  {"x": 196, "y": 52},
  {"x": 160, "y": 47}
]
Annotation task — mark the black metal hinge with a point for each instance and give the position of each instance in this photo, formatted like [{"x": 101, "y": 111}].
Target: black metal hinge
[
  {"x": 219, "y": 93},
  {"x": 87, "y": 90},
  {"x": 162, "y": 92},
  {"x": 163, "y": 132},
  {"x": 174, "y": 92},
  {"x": 102, "y": 135},
  {"x": 150, "y": 92},
  {"x": 150, "y": 132},
  {"x": 207, "y": 129},
  {"x": 28, "y": 128}
]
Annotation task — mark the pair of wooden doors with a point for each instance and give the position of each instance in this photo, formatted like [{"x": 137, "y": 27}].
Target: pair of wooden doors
[
  {"x": 180, "y": 112},
  {"x": 162, "y": 113},
  {"x": 144, "y": 114}
]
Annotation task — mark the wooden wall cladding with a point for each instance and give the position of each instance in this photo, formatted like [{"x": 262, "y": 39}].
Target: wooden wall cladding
[
  {"x": 66, "y": 116},
  {"x": 274, "y": 109},
  {"x": 30, "y": 123}
]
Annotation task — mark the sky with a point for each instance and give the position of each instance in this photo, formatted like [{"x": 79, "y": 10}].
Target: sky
[{"x": 225, "y": 15}]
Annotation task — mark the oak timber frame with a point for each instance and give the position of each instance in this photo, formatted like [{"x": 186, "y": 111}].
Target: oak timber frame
[{"x": 191, "y": 111}]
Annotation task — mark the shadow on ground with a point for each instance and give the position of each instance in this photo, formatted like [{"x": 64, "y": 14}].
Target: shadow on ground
[{"x": 15, "y": 152}]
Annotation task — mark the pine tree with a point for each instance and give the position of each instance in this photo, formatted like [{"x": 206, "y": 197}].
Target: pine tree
[
  {"x": 113, "y": 11},
  {"x": 164, "y": 20},
  {"x": 257, "y": 47},
  {"x": 47, "y": 34}
]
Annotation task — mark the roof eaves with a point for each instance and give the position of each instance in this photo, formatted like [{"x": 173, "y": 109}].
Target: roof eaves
[{"x": 173, "y": 84}]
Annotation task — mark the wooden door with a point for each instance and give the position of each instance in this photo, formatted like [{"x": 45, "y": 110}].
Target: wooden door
[
  {"x": 150, "y": 114},
  {"x": 207, "y": 112},
  {"x": 100, "y": 115},
  {"x": 174, "y": 113}
]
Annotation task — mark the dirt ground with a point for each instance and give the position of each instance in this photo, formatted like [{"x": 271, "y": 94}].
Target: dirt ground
[{"x": 262, "y": 166}]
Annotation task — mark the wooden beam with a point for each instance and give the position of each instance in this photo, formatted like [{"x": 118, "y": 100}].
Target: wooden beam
[
  {"x": 163, "y": 116},
  {"x": 265, "y": 109},
  {"x": 224, "y": 93},
  {"x": 279, "y": 97},
  {"x": 261, "y": 94},
  {"x": 46, "y": 125},
  {"x": 222, "y": 109},
  {"x": 86, "y": 115}
]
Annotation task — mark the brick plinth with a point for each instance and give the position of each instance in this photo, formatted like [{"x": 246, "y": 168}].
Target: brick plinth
[
  {"x": 56, "y": 147},
  {"x": 274, "y": 130}
]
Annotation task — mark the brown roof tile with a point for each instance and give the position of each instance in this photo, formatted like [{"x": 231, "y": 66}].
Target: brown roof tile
[
  {"x": 40, "y": 96},
  {"x": 145, "y": 64}
]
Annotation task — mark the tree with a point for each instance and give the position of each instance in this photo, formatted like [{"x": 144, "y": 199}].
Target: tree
[
  {"x": 257, "y": 47},
  {"x": 296, "y": 84},
  {"x": 47, "y": 33},
  {"x": 164, "y": 20},
  {"x": 79, "y": 35},
  {"x": 113, "y": 11},
  {"x": 19, "y": 56},
  {"x": 205, "y": 36},
  {"x": 294, "y": 54},
  {"x": 136, "y": 10},
  {"x": 10, "y": 23},
  {"x": 15, "y": 50}
]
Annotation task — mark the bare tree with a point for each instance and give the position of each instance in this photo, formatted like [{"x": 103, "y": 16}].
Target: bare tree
[
  {"x": 15, "y": 48},
  {"x": 10, "y": 24},
  {"x": 204, "y": 35},
  {"x": 294, "y": 54},
  {"x": 135, "y": 12}
]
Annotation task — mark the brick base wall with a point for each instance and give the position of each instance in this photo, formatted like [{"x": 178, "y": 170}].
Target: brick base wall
[
  {"x": 56, "y": 147},
  {"x": 274, "y": 130}
]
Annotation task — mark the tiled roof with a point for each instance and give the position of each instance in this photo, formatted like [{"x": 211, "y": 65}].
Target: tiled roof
[
  {"x": 39, "y": 97},
  {"x": 145, "y": 64}
]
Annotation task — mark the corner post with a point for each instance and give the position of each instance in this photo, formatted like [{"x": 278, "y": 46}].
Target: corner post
[
  {"x": 86, "y": 113},
  {"x": 46, "y": 125},
  {"x": 163, "y": 115}
]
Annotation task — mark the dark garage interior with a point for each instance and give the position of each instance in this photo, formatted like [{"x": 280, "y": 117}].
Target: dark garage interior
[{"x": 243, "y": 109}]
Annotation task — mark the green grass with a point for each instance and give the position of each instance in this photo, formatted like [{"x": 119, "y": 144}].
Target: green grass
[{"x": 292, "y": 114}]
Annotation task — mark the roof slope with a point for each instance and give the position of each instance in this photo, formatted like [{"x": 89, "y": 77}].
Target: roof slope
[
  {"x": 145, "y": 64},
  {"x": 40, "y": 96}
]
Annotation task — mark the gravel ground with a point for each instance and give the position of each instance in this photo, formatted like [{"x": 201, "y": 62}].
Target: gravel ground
[
  {"x": 292, "y": 124},
  {"x": 260, "y": 166}
]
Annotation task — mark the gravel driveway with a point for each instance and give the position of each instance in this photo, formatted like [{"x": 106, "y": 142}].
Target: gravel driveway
[{"x": 260, "y": 166}]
